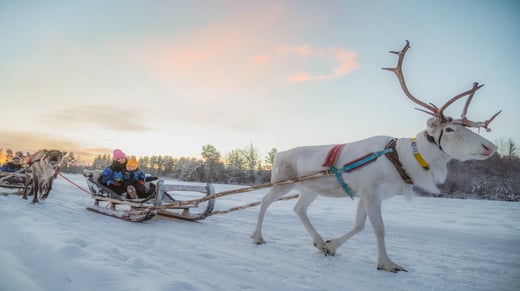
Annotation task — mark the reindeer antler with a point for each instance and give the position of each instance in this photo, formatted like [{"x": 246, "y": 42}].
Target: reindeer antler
[
  {"x": 400, "y": 76},
  {"x": 434, "y": 110},
  {"x": 465, "y": 121}
]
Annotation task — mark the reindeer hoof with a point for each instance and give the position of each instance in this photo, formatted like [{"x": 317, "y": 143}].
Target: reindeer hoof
[
  {"x": 257, "y": 240},
  {"x": 328, "y": 252},
  {"x": 394, "y": 270},
  {"x": 391, "y": 267},
  {"x": 327, "y": 249}
]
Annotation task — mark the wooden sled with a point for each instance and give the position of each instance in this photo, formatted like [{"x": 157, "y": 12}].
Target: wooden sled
[{"x": 161, "y": 202}]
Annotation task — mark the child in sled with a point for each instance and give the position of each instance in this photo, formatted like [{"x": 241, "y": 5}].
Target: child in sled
[{"x": 133, "y": 180}]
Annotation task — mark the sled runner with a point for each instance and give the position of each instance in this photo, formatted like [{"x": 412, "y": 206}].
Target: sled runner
[{"x": 160, "y": 202}]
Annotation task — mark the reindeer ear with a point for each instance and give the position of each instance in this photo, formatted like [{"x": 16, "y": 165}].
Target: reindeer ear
[{"x": 432, "y": 123}]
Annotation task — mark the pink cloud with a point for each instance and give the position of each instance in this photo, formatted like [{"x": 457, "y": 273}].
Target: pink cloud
[
  {"x": 261, "y": 59},
  {"x": 300, "y": 77},
  {"x": 345, "y": 60}
]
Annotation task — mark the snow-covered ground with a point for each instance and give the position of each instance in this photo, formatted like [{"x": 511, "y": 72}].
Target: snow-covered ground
[{"x": 446, "y": 244}]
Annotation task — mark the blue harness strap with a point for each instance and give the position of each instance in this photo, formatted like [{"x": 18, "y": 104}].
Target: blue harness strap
[
  {"x": 364, "y": 160},
  {"x": 354, "y": 165},
  {"x": 341, "y": 181}
]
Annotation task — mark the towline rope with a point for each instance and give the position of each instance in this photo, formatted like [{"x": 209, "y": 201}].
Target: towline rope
[
  {"x": 247, "y": 189},
  {"x": 252, "y": 204},
  {"x": 73, "y": 183}
]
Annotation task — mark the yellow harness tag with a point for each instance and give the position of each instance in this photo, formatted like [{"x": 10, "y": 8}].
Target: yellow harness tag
[{"x": 424, "y": 164}]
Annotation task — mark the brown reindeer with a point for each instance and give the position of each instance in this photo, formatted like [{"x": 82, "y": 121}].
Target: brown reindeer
[{"x": 41, "y": 171}]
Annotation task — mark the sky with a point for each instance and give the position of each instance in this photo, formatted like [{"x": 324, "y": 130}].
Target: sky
[
  {"x": 168, "y": 77},
  {"x": 444, "y": 244}
]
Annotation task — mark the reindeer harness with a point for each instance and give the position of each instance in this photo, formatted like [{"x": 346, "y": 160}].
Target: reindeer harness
[
  {"x": 391, "y": 153},
  {"x": 44, "y": 156}
]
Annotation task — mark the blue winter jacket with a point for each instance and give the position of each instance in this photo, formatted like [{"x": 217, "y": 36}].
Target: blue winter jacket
[
  {"x": 134, "y": 175},
  {"x": 112, "y": 174},
  {"x": 10, "y": 167}
]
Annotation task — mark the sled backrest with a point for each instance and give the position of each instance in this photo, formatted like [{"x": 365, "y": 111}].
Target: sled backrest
[{"x": 95, "y": 174}]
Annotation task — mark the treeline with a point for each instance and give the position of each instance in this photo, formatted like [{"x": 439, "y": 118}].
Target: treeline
[{"x": 8, "y": 154}]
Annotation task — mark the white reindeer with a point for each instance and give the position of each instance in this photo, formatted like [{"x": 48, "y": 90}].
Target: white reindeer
[{"x": 421, "y": 162}]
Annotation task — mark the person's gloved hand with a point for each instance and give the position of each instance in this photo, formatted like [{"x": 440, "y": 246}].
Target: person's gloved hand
[
  {"x": 118, "y": 177},
  {"x": 114, "y": 183}
]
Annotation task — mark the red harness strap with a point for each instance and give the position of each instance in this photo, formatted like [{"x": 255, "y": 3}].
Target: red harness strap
[
  {"x": 29, "y": 159},
  {"x": 332, "y": 156}
]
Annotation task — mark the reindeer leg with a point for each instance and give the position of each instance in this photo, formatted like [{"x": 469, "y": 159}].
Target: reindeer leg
[
  {"x": 36, "y": 188},
  {"x": 26, "y": 189},
  {"x": 361, "y": 217},
  {"x": 47, "y": 188},
  {"x": 28, "y": 181},
  {"x": 274, "y": 194},
  {"x": 301, "y": 210},
  {"x": 373, "y": 208}
]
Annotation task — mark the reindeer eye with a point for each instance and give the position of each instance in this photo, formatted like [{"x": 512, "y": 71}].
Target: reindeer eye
[{"x": 449, "y": 129}]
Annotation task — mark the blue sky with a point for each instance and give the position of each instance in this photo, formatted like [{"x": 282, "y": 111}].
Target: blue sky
[{"x": 167, "y": 77}]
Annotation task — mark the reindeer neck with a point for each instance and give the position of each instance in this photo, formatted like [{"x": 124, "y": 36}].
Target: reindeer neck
[
  {"x": 430, "y": 147},
  {"x": 426, "y": 174},
  {"x": 434, "y": 155}
]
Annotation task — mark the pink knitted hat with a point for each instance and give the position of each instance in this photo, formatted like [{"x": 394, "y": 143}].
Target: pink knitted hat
[{"x": 118, "y": 154}]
